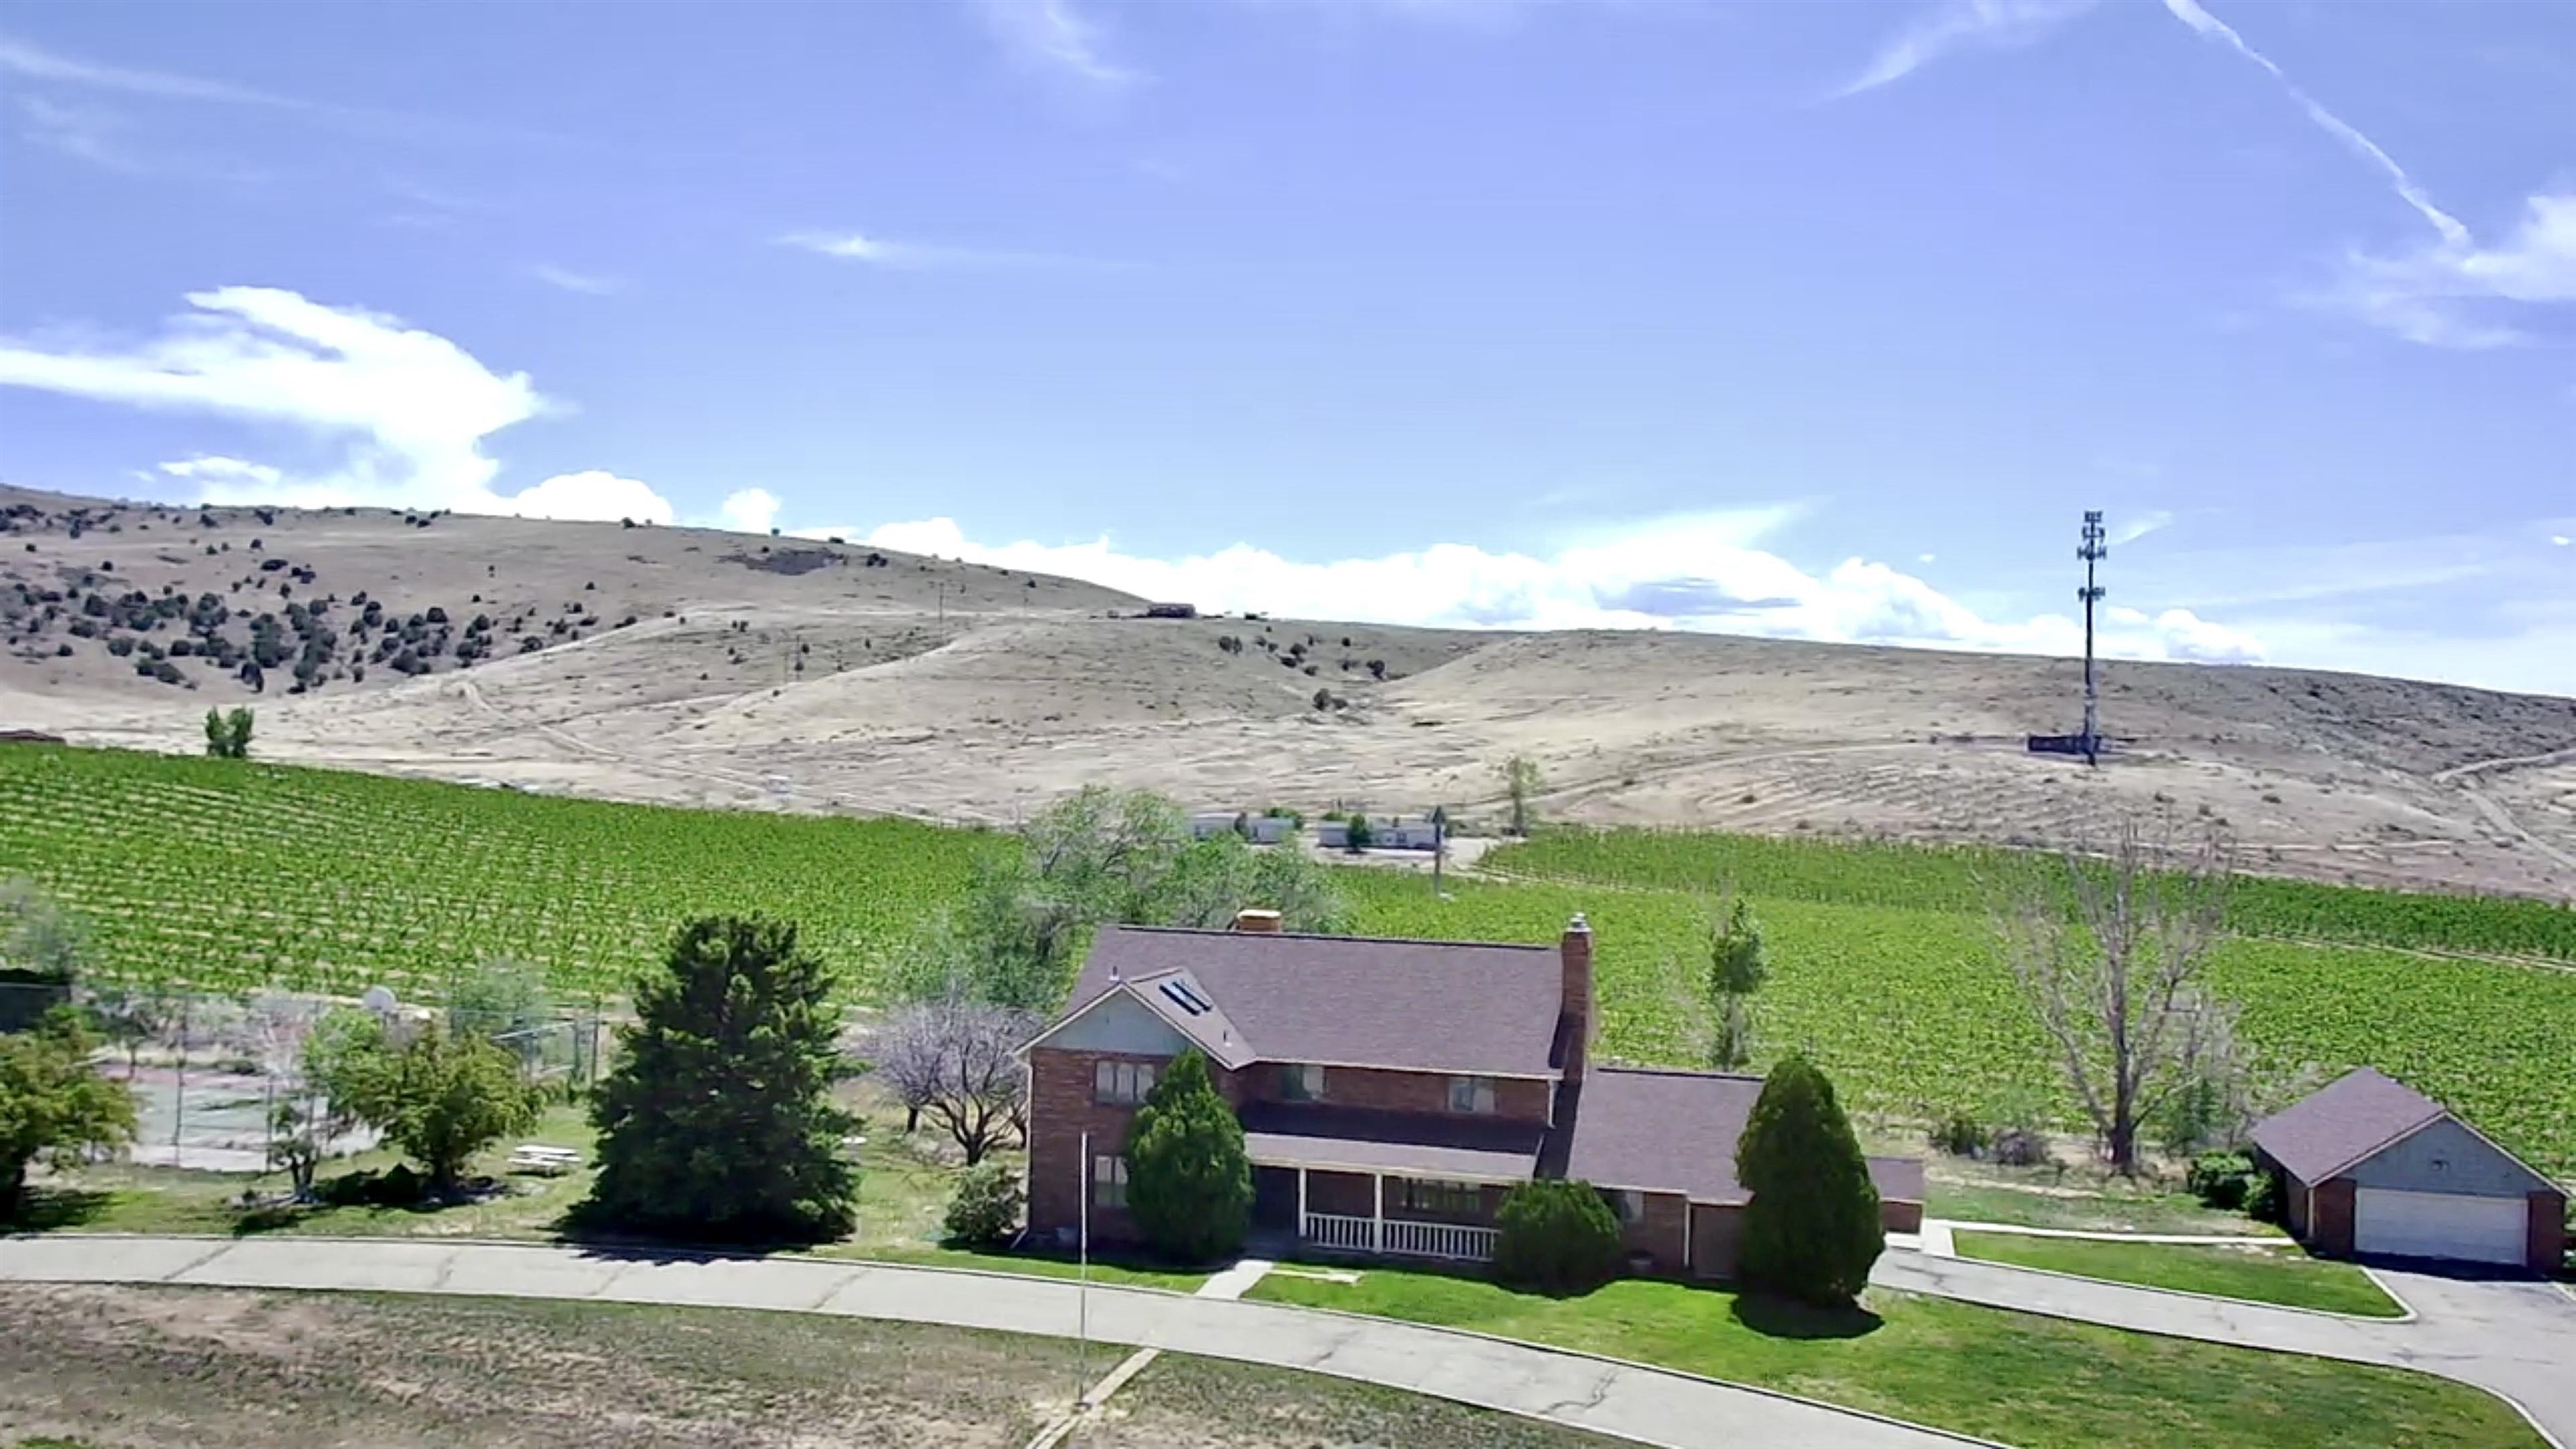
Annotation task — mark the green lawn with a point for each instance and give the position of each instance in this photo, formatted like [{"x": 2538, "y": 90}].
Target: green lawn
[
  {"x": 2039, "y": 1383},
  {"x": 2285, "y": 1275},
  {"x": 903, "y": 1193},
  {"x": 2098, "y": 1202}
]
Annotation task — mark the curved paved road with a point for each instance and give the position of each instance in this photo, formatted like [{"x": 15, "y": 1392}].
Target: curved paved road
[
  {"x": 2512, "y": 1337},
  {"x": 1646, "y": 1405}
]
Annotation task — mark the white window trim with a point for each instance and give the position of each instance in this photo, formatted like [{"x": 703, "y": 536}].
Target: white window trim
[
  {"x": 1310, "y": 1082},
  {"x": 1108, "y": 1181},
  {"x": 1116, "y": 1083}
]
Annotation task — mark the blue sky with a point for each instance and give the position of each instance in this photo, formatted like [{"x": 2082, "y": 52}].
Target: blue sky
[{"x": 1821, "y": 320}]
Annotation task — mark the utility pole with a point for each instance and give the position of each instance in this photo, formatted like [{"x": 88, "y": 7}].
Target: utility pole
[
  {"x": 2092, "y": 552},
  {"x": 1082, "y": 1292}
]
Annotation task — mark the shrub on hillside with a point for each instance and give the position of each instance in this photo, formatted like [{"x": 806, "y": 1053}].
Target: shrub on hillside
[
  {"x": 986, "y": 1208},
  {"x": 1557, "y": 1237},
  {"x": 1812, "y": 1229},
  {"x": 1189, "y": 1184}
]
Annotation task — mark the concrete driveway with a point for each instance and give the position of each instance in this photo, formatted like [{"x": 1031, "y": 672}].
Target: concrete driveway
[
  {"x": 2513, "y": 1337},
  {"x": 1646, "y": 1405}
]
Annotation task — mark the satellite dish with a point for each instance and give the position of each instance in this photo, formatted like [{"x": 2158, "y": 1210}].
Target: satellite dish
[{"x": 378, "y": 999}]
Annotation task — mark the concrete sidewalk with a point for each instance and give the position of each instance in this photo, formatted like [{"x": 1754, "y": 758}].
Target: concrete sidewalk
[
  {"x": 2512, "y": 1337},
  {"x": 1647, "y": 1405}
]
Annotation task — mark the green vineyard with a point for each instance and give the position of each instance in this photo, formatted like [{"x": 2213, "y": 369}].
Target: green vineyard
[
  {"x": 1951, "y": 878},
  {"x": 230, "y": 875}
]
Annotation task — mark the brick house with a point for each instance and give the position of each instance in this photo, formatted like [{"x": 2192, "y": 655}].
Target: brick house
[
  {"x": 1391, "y": 1092},
  {"x": 2368, "y": 1165}
]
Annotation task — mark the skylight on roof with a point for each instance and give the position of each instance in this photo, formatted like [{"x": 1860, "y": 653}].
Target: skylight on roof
[{"x": 1186, "y": 999}]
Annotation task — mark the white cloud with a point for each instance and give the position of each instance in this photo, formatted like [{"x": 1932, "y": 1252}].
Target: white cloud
[
  {"x": 2210, "y": 27},
  {"x": 1701, "y": 572},
  {"x": 595, "y": 493},
  {"x": 2559, "y": 540},
  {"x": 851, "y": 246},
  {"x": 752, "y": 510},
  {"x": 401, "y": 412},
  {"x": 18, "y": 57},
  {"x": 1958, "y": 25},
  {"x": 88, "y": 133},
  {"x": 1925, "y": 557},
  {"x": 23, "y": 58},
  {"x": 1052, "y": 36},
  {"x": 589, "y": 284},
  {"x": 2139, "y": 525},
  {"x": 2420, "y": 295},
  {"x": 2434, "y": 295}
]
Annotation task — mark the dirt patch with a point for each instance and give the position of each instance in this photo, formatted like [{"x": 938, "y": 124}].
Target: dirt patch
[{"x": 124, "y": 1368}]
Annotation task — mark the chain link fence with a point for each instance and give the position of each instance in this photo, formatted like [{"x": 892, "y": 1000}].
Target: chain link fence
[{"x": 210, "y": 1070}]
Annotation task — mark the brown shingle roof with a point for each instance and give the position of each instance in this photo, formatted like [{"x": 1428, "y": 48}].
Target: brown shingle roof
[
  {"x": 1425, "y": 1006},
  {"x": 2349, "y": 1119},
  {"x": 1673, "y": 1131},
  {"x": 1661, "y": 1131}
]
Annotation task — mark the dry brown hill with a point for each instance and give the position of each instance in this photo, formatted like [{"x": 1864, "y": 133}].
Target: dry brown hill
[{"x": 708, "y": 667}]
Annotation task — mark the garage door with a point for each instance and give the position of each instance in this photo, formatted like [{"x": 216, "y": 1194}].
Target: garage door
[{"x": 2439, "y": 1225}]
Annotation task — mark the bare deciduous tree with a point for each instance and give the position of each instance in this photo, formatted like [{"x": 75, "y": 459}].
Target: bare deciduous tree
[
  {"x": 955, "y": 1057},
  {"x": 2109, "y": 951}
]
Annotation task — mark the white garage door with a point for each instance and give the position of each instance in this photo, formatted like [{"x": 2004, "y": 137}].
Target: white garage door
[{"x": 2439, "y": 1225}]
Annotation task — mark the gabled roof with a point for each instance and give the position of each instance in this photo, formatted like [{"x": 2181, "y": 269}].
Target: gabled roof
[
  {"x": 1355, "y": 1001},
  {"x": 1675, "y": 1131},
  {"x": 2349, "y": 1119}
]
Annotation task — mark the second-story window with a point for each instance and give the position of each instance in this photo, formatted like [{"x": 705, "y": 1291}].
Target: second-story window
[
  {"x": 1301, "y": 1082},
  {"x": 1122, "y": 1084},
  {"x": 1472, "y": 1094}
]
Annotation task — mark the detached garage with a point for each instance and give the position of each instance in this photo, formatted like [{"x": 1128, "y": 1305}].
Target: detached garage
[{"x": 2371, "y": 1166}]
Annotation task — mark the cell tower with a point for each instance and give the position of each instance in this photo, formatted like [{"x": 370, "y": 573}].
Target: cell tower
[
  {"x": 2092, "y": 552},
  {"x": 2089, "y": 743}
]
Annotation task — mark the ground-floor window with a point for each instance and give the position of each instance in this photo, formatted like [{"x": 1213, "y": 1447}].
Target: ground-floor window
[
  {"x": 1442, "y": 1199},
  {"x": 1626, "y": 1204},
  {"x": 1109, "y": 1182}
]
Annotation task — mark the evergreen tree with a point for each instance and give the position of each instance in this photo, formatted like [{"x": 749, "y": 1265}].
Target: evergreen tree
[
  {"x": 718, "y": 1122},
  {"x": 1189, "y": 1183},
  {"x": 1812, "y": 1230}
]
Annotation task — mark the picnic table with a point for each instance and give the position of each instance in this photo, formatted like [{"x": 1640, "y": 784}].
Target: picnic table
[{"x": 540, "y": 1158}]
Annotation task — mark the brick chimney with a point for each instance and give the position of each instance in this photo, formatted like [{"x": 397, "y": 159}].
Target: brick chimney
[
  {"x": 1576, "y": 1023},
  {"x": 1257, "y": 923}
]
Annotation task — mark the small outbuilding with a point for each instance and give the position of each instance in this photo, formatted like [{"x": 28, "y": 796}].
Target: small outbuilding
[{"x": 2369, "y": 1165}]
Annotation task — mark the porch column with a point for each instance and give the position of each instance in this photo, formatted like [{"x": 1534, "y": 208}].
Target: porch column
[
  {"x": 1301, "y": 1204},
  {"x": 1377, "y": 1213}
]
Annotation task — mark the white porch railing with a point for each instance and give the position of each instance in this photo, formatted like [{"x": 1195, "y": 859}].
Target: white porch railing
[{"x": 1402, "y": 1239}]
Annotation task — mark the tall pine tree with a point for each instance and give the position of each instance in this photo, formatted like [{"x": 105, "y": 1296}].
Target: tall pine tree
[
  {"x": 1812, "y": 1230},
  {"x": 1189, "y": 1184},
  {"x": 717, "y": 1124}
]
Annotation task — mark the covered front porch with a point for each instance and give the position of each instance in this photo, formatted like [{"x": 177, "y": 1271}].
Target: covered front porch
[{"x": 1385, "y": 1185}]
